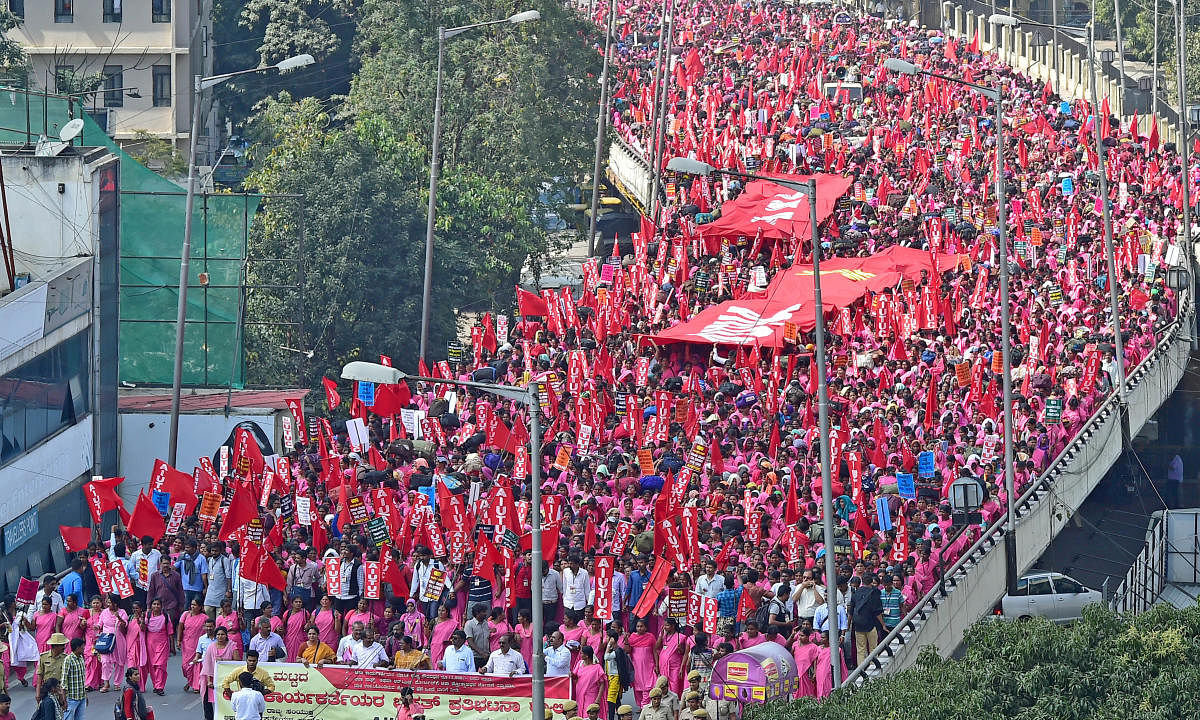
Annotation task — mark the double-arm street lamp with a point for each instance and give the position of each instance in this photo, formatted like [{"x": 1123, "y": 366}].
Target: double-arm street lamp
[
  {"x": 445, "y": 34},
  {"x": 199, "y": 85},
  {"x": 528, "y": 396},
  {"x": 689, "y": 166}
]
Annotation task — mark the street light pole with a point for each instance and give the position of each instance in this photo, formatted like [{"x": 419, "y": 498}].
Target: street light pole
[
  {"x": 601, "y": 126},
  {"x": 445, "y": 34},
  {"x": 528, "y": 396},
  {"x": 199, "y": 85},
  {"x": 431, "y": 209},
  {"x": 660, "y": 140},
  {"x": 688, "y": 166},
  {"x": 835, "y": 646},
  {"x": 1184, "y": 150}
]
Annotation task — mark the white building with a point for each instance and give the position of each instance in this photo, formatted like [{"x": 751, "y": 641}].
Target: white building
[
  {"x": 154, "y": 46},
  {"x": 58, "y": 348}
]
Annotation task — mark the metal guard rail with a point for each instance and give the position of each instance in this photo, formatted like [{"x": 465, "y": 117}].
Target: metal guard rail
[{"x": 915, "y": 617}]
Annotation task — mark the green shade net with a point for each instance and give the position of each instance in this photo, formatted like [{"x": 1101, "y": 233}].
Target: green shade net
[{"x": 151, "y": 240}]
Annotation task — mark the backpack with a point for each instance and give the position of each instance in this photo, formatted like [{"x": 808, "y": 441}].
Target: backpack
[{"x": 763, "y": 615}]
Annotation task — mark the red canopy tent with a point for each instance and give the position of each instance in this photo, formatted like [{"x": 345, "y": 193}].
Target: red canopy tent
[
  {"x": 779, "y": 213},
  {"x": 758, "y": 319}
]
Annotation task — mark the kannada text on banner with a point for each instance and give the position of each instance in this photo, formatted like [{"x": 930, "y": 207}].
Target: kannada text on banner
[{"x": 345, "y": 693}]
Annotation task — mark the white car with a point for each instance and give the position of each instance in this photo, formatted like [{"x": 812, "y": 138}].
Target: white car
[{"x": 1051, "y": 595}]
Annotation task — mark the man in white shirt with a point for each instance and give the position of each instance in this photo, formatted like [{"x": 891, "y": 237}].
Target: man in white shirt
[
  {"x": 710, "y": 583},
  {"x": 458, "y": 657},
  {"x": 558, "y": 656},
  {"x": 248, "y": 703},
  {"x": 576, "y": 586},
  {"x": 552, "y": 589},
  {"x": 422, "y": 569},
  {"x": 347, "y": 644},
  {"x": 49, "y": 587},
  {"x": 369, "y": 654},
  {"x": 145, "y": 562},
  {"x": 504, "y": 661}
]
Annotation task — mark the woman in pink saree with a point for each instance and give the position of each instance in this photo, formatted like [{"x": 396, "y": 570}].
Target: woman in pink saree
[
  {"x": 232, "y": 622},
  {"x": 73, "y": 618},
  {"x": 159, "y": 642},
  {"x": 414, "y": 623},
  {"x": 640, "y": 646},
  {"x": 135, "y": 644},
  {"x": 805, "y": 653},
  {"x": 295, "y": 620},
  {"x": 113, "y": 620},
  {"x": 328, "y": 621},
  {"x": 220, "y": 649},
  {"x": 671, "y": 646},
  {"x": 591, "y": 682},
  {"x": 191, "y": 627},
  {"x": 45, "y": 624},
  {"x": 91, "y": 630},
  {"x": 439, "y": 634}
]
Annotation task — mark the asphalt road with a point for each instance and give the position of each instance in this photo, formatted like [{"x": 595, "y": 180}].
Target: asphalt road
[{"x": 175, "y": 705}]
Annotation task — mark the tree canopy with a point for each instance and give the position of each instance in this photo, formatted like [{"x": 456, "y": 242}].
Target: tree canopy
[{"x": 1105, "y": 667}]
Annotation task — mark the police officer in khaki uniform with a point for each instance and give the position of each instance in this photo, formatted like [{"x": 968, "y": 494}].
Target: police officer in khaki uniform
[
  {"x": 570, "y": 710},
  {"x": 691, "y": 708},
  {"x": 657, "y": 709},
  {"x": 669, "y": 699}
]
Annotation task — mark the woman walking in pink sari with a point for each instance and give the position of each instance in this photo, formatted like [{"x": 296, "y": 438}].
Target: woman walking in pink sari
[
  {"x": 232, "y": 622},
  {"x": 112, "y": 666},
  {"x": 91, "y": 630},
  {"x": 295, "y": 620},
  {"x": 135, "y": 644},
  {"x": 640, "y": 646},
  {"x": 45, "y": 624},
  {"x": 159, "y": 643},
  {"x": 524, "y": 630},
  {"x": 805, "y": 653},
  {"x": 442, "y": 628},
  {"x": 328, "y": 621},
  {"x": 220, "y": 649},
  {"x": 591, "y": 682},
  {"x": 191, "y": 627},
  {"x": 73, "y": 618},
  {"x": 671, "y": 647}
]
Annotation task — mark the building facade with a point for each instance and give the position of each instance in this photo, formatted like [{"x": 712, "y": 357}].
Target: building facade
[
  {"x": 153, "y": 48},
  {"x": 58, "y": 349}
]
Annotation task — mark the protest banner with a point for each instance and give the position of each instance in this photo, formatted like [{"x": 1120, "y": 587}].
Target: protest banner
[{"x": 345, "y": 693}]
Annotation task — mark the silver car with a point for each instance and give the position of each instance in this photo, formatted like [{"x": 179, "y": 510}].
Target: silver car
[{"x": 1051, "y": 595}]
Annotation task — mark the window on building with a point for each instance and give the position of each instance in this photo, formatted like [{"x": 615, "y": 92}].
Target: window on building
[
  {"x": 162, "y": 85},
  {"x": 64, "y": 78},
  {"x": 112, "y": 11},
  {"x": 114, "y": 77},
  {"x": 160, "y": 10},
  {"x": 64, "y": 11},
  {"x": 43, "y": 396},
  {"x": 17, "y": 7}
]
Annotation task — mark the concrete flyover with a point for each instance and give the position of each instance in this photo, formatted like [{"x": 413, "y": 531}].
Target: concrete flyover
[{"x": 977, "y": 580}]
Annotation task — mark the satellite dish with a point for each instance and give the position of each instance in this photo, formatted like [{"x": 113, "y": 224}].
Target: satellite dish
[{"x": 71, "y": 130}]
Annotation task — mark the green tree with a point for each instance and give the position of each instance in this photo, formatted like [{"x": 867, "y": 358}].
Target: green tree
[
  {"x": 1104, "y": 667},
  {"x": 364, "y": 252},
  {"x": 157, "y": 154},
  {"x": 13, "y": 63},
  {"x": 1137, "y": 27}
]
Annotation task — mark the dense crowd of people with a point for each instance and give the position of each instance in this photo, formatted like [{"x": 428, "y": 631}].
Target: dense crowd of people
[{"x": 682, "y": 487}]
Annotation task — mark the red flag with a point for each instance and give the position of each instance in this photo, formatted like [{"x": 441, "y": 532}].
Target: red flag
[
  {"x": 654, "y": 587},
  {"x": 177, "y": 483},
  {"x": 530, "y": 304},
  {"x": 745, "y": 608},
  {"x": 723, "y": 556},
  {"x": 332, "y": 399},
  {"x": 714, "y": 455},
  {"x": 257, "y": 566},
  {"x": 589, "y": 535},
  {"x": 489, "y": 334},
  {"x": 146, "y": 520},
  {"x": 102, "y": 496},
  {"x": 791, "y": 510},
  {"x": 487, "y": 559},
  {"x": 241, "y": 509},
  {"x": 931, "y": 403},
  {"x": 75, "y": 538}
]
